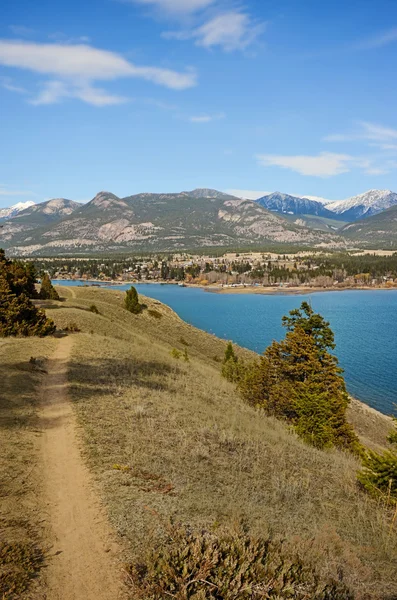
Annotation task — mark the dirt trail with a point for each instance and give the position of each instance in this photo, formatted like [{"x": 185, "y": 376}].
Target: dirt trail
[{"x": 83, "y": 563}]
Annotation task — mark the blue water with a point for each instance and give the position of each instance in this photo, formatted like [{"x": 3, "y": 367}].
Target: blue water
[{"x": 364, "y": 322}]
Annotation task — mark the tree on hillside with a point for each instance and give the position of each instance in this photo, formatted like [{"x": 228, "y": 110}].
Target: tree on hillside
[
  {"x": 379, "y": 473},
  {"x": 21, "y": 277},
  {"x": 18, "y": 316},
  {"x": 299, "y": 380},
  {"x": 47, "y": 290},
  {"x": 131, "y": 301}
]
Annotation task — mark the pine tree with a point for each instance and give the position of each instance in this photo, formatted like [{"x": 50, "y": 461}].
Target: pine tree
[
  {"x": 18, "y": 316},
  {"x": 379, "y": 473},
  {"x": 131, "y": 302},
  {"x": 229, "y": 353},
  {"x": 297, "y": 379},
  {"x": 47, "y": 290}
]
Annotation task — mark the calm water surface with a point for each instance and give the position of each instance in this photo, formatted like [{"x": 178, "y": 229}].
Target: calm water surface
[{"x": 364, "y": 322}]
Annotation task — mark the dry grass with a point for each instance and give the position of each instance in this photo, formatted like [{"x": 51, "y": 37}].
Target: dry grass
[
  {"x": 21, "y": 540},
  {"x": 172, "y": 440}
]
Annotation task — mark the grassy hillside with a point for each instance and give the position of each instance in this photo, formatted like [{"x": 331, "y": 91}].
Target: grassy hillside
[
  {"x": 171, "y": 440},
  {"x": 378, "y": 231}
]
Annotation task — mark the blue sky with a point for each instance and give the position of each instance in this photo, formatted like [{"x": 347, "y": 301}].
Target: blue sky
[{"x": 168, "y": 95}]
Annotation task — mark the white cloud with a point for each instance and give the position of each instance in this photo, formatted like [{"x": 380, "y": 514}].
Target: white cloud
[
  {"x": 55, "y": 91},
  {"x": 325, "y": 164},
  {"x": 379, "y": 135},
  {"x": 177, "y": 6},
  {"x": 231, "y": 31},
  {"x": 76, "y": 67},
  {"x": 7, "y": 84},
  {"x": 206, "y": 118},
  {"x": 379, "y": 40},
  {"x": 247, "y": 194}
]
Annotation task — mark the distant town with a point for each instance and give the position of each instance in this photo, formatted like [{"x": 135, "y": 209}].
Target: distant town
[{"x": 233, "y": 270}]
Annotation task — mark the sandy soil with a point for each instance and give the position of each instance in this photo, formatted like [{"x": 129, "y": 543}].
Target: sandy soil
[{"x": 83, "y": 563}]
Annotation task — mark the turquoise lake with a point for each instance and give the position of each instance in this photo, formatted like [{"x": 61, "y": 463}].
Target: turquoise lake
[{"x": 364, "y": 322}]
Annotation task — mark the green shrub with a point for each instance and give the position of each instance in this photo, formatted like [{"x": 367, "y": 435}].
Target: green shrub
[
  {"x": 379, "y": 472},
  {"x": 94, "y": 309},
  {"x": 176, "y": 353},
  {"x": 186, "y": 356},
  {"x": 47, "y": 290},
  {"x": 228, "y": 566},
  {"x": 131, "y": 301}
]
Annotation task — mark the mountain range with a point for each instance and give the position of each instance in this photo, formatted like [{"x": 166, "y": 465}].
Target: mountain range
[
  {"x": 152, "y": 222},
  {"x": 200, "y": 218}
]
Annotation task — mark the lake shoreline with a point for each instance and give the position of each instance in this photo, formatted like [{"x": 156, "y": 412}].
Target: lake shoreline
[{"x": 218, "y": 289}]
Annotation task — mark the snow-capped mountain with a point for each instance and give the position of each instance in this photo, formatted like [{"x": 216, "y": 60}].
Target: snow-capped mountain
[
  {"x": 318, "y": 199},
  {"x": 293, "y": 205},
  {"x": 364, "y": 205},
  {"x": 7, "y": 213}
]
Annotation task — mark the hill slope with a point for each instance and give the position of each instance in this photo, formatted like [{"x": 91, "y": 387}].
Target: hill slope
[
  {"x": 379, "y": 230},
  {"x": 160, "y": 222},
  {"x": 169, "y": 440},
  {"x": 211, "y": 458}
]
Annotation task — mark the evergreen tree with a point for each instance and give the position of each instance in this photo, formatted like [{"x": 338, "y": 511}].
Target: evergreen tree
[
  {"x": 18, "y": 316},
  {"x": 379, "y": 473},
  {"x": 229, "y": 353},
  {"x": 47, "y": 290},
  {"x": 131, "y": 302},
  {"x": 299, "y": 380}
]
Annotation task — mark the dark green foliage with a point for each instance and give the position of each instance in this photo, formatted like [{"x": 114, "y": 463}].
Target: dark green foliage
[
  {"x": 131, "y": 302},
  {"x": 47, "y": 290},
  {"x": 229, "y": 566},
  {"x": 299, "y": 380},
  {"x": 175, "y": 353},
  {"x": 392, "y": 439},
  {"x": 20, "y": 277},
  {"x": 312, "y": 324},
  {"x": 379, "y": 473},
  {"x": 18, "y": 316},
  {"x": 94, "y": 309},
  {"x": 229, "y": 353}
]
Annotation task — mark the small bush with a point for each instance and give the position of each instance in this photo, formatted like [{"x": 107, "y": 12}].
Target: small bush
[
  {"x": 131, "y": 301},
  {"x": 379, "y": 473},
  {"x": 186, "y": 356},
  {"x": 94, "y": 309},
  {"x": 205, "y": 566},
  {"x": 154, "y": 313},
  {"x": 72, "y": 328},
  {"x": 184, "y": 342},
  {"x": 176, "y": 353},
  {"x": 47, "y": 290}
]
